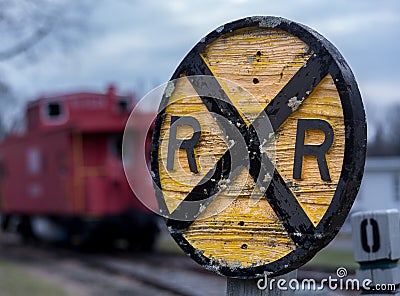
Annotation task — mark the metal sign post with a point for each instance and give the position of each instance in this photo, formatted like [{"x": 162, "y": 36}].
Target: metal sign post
[
  {"x": 261, "y": 287},
  {"x": 258, "y": 148}
]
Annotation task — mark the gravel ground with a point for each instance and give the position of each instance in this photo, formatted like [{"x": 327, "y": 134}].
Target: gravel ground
[
  {"x": 123, "y": 274},
  {"x": 106, "y": 275},
  {"x": 69, "y": 273}
]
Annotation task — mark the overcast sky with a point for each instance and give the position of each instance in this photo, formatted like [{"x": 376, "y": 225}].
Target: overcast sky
[{"x": 138, "y": 44}]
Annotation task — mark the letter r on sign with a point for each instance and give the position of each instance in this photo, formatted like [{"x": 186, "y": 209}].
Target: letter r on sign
[
  {"x": 187, "y": 144},
  {"x": 318, "y": 151}
]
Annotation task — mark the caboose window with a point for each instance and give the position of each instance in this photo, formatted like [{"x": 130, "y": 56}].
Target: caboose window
[
  {"x": 123, "y": 104},
  {"x": 54, "y": 109}
]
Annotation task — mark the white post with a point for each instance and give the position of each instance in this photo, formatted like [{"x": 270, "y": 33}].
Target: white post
[
  {"x": 376, "y": 239},
  {"x": 276, "y": 286}
]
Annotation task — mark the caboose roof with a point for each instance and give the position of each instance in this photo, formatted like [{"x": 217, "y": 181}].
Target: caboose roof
[{"x": 83, "y": 111}]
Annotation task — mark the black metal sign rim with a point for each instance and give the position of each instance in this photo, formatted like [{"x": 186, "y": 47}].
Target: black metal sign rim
[{"x": 354, "y": 152}]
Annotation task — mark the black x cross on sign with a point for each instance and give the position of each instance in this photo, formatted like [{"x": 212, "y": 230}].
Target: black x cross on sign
[
  {"x": 307, "y": 237},
  {"x": 279, "y": 196}
]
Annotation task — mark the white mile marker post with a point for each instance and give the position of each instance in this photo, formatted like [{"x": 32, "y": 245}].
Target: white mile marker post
[{"x": 376, "y": 240}]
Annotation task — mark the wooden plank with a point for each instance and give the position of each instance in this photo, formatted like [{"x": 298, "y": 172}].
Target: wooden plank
[
  {"x": 276, "y": 70},
  {"x": 240, "y": 234},
  {"x": 313, "y": 193},
  {"x": 260, "y": 60}
]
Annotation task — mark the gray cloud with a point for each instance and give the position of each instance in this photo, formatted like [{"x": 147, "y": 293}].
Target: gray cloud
[{"x": 138, "y": 43}]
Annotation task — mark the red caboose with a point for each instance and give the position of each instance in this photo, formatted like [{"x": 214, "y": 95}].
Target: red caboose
[{"x": 63, "y": 177}]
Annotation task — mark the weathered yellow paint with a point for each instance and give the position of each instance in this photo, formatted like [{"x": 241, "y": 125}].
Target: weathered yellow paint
[
  {"x": 243, "y": 234},
  {"x": 313, "y": 193},
  {"x": 177, "y": 184},
  {"x": 268, "y": 55},
  {"x": 261, "y": 61}
]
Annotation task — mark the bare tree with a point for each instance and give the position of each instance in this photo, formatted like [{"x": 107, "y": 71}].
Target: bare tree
[
  {"x": 26, "y": 23},
  {"x": 31, "y": 29},
  {"x": 378, "y": 146},
  {"x": 386, "y": 141}
]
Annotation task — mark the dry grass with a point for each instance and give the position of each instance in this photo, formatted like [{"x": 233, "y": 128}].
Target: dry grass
[{"x": 15, "y": 281}]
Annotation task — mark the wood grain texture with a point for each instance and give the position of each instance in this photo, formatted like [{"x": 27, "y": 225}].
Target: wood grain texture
[
  {"x": 178, "y": 183},
  {"x": 313, "y": 193},
  {"x": 260, "y": 60},
  {"x": 244, "y": 233}
]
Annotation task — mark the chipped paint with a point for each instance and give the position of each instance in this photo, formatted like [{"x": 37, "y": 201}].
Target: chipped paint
[
  {"x": 243, "y": 241},
  {"x": 294, "y": 103},
  {"x": 267, "y": 178},
  {"x": 267, "y": 22},
  {"x": 270, "y": 47},
  {"x": 223, "y": 184},
  {"x": 231, "y": 143},
  {"x": 219, "y": 29},
  {"x": 314, "y": 194},
  {"x": 169, "y": 89},
  {"x": 264, "y": 146}
]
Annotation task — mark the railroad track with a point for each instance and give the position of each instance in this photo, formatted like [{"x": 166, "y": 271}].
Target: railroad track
[
  {"x": 161, "y": 273},
  {"x": 151, "y": 274},
  {"x": 179, "y": 280}
]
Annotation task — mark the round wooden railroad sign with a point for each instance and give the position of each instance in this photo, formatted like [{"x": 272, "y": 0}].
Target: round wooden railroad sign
[{"x": 259, "y": 147}]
